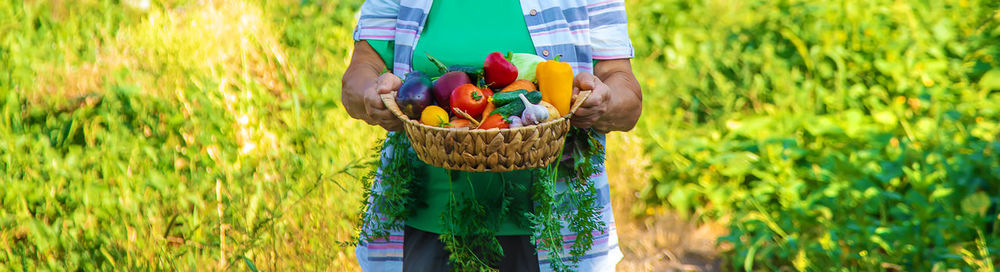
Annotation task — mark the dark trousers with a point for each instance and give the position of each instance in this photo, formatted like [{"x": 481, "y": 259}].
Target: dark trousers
[{"x": 423, "y": 251}]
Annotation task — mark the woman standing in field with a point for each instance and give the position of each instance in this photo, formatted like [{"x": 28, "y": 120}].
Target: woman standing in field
[{"x": 591, "y": 35}]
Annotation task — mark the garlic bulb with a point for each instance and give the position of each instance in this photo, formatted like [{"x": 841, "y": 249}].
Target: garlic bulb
[{"x": 533, "y": 114}]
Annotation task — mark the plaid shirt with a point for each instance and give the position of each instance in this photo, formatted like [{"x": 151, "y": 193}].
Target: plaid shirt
[{"x": 580, "y": 30}]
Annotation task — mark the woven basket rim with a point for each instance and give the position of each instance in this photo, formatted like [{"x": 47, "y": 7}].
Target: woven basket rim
[
  {"x": 473, "y": 130},
  {"x": 538, "y": 149},
  {"x": 389, "y": 99}
]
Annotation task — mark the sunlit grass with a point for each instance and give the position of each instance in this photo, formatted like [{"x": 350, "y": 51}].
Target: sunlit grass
[
  {"x": 222, "y": 148},
  {"x": 210, "y": 135}
]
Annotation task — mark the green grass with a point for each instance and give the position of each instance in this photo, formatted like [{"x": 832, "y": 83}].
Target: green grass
[
  {"x": 194, "y": 135},
  {"x": 168, "y": 137}
]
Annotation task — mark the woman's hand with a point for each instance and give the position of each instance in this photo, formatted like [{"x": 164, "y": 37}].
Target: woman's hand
[
  {"x": 615, "y": 101},
  {"x": 373, "y": 110},
  {"x": 596, "y": 104},
  {"x": 362, "y": 86}
]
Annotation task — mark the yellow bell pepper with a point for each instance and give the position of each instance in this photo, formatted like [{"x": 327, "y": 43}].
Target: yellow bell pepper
[{"x": 555, "y": 81}]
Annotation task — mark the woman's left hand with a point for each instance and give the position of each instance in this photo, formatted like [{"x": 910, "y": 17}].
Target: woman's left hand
[{"x": 596, "y": 104}]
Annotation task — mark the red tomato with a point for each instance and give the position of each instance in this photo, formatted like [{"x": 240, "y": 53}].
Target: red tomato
[
  {"x": 494, "y": 121},
  {"x": 470, "y": 99},
  {"x": 488, "y": 92}
]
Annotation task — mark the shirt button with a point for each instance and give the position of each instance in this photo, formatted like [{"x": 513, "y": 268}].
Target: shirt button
[
  {"x": 533, "y": 12},
  {"x": 545, "y": 52}
]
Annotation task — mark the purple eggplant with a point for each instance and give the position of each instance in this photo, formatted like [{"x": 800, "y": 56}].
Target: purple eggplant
[
  {"x": 475, "y": 73},
  {"x": 447, "y": 83},
  {"x": 414, "y": 95},
  {"x": 451, "y": 78}
]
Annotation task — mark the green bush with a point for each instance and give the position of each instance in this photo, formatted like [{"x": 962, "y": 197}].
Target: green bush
[{"x": 848, "y": 134}]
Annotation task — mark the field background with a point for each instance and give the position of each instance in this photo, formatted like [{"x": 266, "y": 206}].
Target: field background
[{"x": 776, "y": 135}]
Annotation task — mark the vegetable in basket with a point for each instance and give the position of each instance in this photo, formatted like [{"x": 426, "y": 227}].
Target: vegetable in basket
[
  {"x": 499, "y": 71},
  {"x": 553, "y": 112},
  {"x": 459, "y": 123},
  {"x": 501, "y": 99},
  {"x": 494, "y": 121},
  {"x": 414, "y": 95},
  {"x": 434, "y": 116},
  {"x": 515, "y": 121},
  {"x": 520, "y": 84},
  {"x": 446, "y": 84},
  {"x": 489, "y": 109},
  {"x": 451, "y": 78},
  {"x": 475, "y": 73},
  {"x": 526, "y": 64},
  {"x": 533, "y": 114},
  {"x": 555, "y": 80},
  {"x": 470, "y": 99},
  {"x": 509, "y": 103}
]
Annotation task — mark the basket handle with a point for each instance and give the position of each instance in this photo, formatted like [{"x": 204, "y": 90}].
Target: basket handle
[
  {"x": 389, "y": 99},
  {"x": 580, "y": 97}
]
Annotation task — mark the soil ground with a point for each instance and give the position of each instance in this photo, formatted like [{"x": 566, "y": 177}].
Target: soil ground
[{"x": 654, "y": 239}]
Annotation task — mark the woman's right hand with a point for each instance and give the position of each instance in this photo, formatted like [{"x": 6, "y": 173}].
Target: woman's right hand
[
  {"x": 362, "y": 86},
  {"x": 367, "y": 103}
]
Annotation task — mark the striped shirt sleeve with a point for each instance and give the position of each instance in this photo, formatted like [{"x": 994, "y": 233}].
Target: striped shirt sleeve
[
  {"x": 377, "y": 20},
  {"x": 609, "y": 30}
]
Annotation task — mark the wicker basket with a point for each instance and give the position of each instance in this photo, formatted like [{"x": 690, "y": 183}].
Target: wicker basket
[{"x": 492, "y": 150}]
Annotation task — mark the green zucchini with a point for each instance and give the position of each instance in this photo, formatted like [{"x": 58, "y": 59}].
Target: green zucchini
[
  {"x": 515, "y": 106},
  {"x": 504, "y": 98}
]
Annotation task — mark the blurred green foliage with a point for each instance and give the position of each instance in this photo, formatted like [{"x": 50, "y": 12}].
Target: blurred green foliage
[{"x": 854, "y": 135}]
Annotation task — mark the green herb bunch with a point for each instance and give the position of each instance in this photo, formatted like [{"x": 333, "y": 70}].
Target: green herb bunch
[
  {"x": 576, "y": 205},
  {"x": 395, "y": 193},
  {"x": 469, "y": 232}
]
